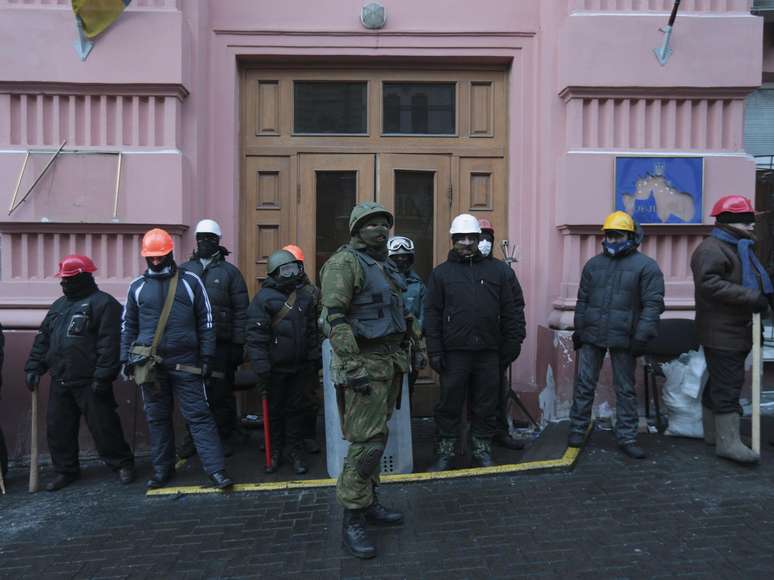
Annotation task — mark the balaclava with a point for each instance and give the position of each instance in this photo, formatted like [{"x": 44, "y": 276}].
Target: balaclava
[
  {"x": 78, "y": 286},
  {"x": 207, "y": 245},
  {"x": 373, "y": 239},
  {"x": 465, "y": 245},
  {"x": 166, "y": 263}
]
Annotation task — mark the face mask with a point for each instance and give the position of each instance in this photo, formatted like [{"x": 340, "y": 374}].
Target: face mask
[
  {"x": 465, "y": 245},
  {"x": 485, "y": 247},
  {"x": 403, "y": 262},
  {"x": 77, "y": 285},
  {"x": 374, "y": 236},
  {"x": 743, "y": 227},
  {"x": 165, "y": 263},
  {"x": 206, "y": 247}
]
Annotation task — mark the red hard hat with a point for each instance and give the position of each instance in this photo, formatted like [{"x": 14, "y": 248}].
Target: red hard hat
[
  {"x": 297, "y": 252},
  {"x": 486, "y": 225},
  {"x": 732, "y": 204},
  {"x": 75, "y": 264},
  {"x": 156, "y": 242}
]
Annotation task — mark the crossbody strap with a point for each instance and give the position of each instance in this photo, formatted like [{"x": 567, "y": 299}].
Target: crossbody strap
[
  {"x": 162, "y": 324},
  {"x": 285, "y": 310}
]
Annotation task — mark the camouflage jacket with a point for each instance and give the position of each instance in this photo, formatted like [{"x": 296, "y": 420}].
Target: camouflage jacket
[{"x": 341, "y": 278}]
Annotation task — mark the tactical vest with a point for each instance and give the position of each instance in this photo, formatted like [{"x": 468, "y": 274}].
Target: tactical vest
[{"x": 377, "y": 310}]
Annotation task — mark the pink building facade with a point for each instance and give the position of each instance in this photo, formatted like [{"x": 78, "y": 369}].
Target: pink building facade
[{"x": 162, "y": 88}]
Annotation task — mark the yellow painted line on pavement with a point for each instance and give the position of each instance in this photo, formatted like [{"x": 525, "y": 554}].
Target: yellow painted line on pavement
[{"x": 567, "y": 460}]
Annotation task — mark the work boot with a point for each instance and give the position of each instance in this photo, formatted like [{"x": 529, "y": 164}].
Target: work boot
[
  {"x": 160, "y": 478},
  {"x": 126, "y": 475},
  {"x": 376, "y": 513},
  {"x": 276, "y": 461},
  {"x": 482, "y": 452},
  {"x": 221, "y": 479},
  {"x": 354, "y": 535},
  {"x": 444, "y": 455},
  {"x": 503, "y": 439},
  {"x": 62, "y": 480},
  {"x": 728, "y": 442},
  {"x": 299, "y": 467},
  {"x": 708, "y": 423},
  {"x": 576, "y": 439},
  {"x": 187, "y": 448},
  {"x": 632, "y": 450}
]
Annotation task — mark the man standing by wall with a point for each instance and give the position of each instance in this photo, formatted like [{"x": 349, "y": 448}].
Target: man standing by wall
[
  {"x": 730, "y": 285},
  {"x": 78, "y": 343},
  {"x": 227, "y": 292},
  {"x": 472, "y": 335},
  {"x": 620, "y": 300},
  {"x": 183, "y": 338},
  {"x": 362, "y": 298}
]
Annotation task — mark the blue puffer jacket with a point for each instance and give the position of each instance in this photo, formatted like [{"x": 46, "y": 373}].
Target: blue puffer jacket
[
  {"x": 414, "y": 296},
  {"x": 190, "y": 333},
  {"x": 620, "y": 299}
]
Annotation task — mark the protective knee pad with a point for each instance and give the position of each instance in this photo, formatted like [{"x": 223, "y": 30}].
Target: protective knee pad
[{"x": 368, "y": 463}]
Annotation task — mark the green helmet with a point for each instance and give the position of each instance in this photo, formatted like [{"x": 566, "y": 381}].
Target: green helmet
[
  {"x": 365, "y": 210},
  {"x": 277, "y": 259}
]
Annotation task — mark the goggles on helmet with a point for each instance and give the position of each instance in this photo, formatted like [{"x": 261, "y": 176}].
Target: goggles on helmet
[{"x": 400, "y": 245}]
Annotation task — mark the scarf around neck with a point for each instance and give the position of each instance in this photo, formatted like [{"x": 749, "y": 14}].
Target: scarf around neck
[{"x": 749, "y": 261}]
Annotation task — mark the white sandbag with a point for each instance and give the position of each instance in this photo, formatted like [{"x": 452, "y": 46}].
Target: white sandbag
[{"x": 685, "y": 377}]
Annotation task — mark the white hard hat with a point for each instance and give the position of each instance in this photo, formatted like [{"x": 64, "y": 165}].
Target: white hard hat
[
  {"x": 208, "y": 227},
  {"x": 465, "y": 224}
]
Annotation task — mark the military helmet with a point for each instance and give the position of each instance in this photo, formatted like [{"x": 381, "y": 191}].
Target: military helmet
[
  {"x": 277, "y": 259},
  {"x": 365, "y": 210}
]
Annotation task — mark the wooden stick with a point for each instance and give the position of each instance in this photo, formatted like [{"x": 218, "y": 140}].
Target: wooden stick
[
  {"x": 18, "y": 182},
  {"x": 756, "y": 384},
  {"x": 34, "y": 444}
]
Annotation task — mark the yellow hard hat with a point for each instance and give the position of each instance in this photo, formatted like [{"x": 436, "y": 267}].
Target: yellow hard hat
[{"x": 619, "y": 220}]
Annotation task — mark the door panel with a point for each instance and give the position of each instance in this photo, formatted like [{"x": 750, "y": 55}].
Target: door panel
[
  {"x": 329, "y": 185},
  {"x": 417, "y": 189},
  {"x": 482, "y": 193},
  {"x": 268, "y": 210}
]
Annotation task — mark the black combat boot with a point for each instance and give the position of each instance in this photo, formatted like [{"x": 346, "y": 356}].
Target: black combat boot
[
  {"x": 62, "y": 480},
  {"x": 276, "y": 461},
  {"x": 482, "y": 452},
  {"x": 376, "y": 513},
  {"x": 444, "y": 455},
  {"x": 299, "y": 466},
  {"x": 354, "y": 535},
  {"x": 633, "y": 451},
  {"x": 576, "y": 439},
  {"x": 221, "y": 480},
  {"x": 160, "y": 478}
]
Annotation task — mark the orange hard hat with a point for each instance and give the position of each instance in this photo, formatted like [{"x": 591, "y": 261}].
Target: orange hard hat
[
  {"x": 486, "y": 225},
  {"x": 297, "y": 252},
  {"x": 156, "y": 242},
  {"x": 75, "y": 264}
]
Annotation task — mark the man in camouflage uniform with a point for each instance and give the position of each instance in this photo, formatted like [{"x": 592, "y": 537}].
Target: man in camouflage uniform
[{"x": 370, "y": 335}]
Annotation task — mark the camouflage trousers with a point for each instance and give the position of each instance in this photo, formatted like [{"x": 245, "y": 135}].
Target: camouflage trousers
[{"x": 365, "y": 427}]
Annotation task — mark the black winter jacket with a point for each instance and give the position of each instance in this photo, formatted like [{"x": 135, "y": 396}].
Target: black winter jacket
[
  {"x": 228, "y": 296},
  {"x": 620, "y": 299},
  {"x": 78, "y": 341},
  {"x": 518, "y": 298},
  {"x": 469, "y": 306},
  {"x": 189, "y": 335},
  {"x": 293, "y": 343}
]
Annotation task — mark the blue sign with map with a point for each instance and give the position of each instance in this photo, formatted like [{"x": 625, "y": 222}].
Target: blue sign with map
[{"x": 660, "y": 190}]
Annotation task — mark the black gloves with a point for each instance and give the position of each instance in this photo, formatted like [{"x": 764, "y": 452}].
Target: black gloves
[
  {"x": 32, "y": 380},
  {"x": 436, "y": 362},
  {"x": 264, "y": 382},
  {"x": 761, "y": 304},
  {"x": 638, "y": 347},
  {"x": 576, "y": 340}
]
